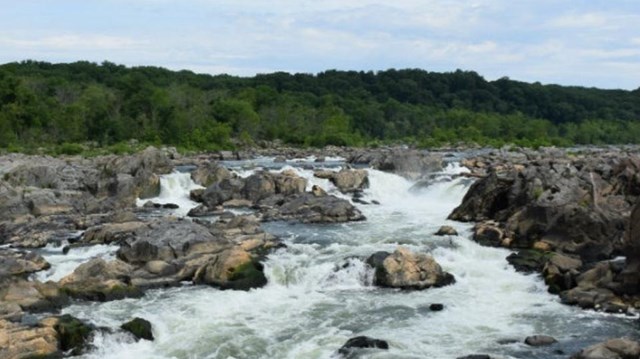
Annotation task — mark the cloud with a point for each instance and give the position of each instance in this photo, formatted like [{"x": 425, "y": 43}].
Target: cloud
[
  {"x": 568, "y": 41},
  {"x": 80, "y": 42}
]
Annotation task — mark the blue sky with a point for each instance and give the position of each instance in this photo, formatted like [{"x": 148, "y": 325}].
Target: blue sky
[{"x": 570, "y": 42}]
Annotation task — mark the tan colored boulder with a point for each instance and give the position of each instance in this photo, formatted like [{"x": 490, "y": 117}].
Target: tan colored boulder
[
  {"x": 100, "y": 280},
  {"x": 348, "y": 180},
  {"x": 611, "y": 349},
  {"x": 18, "y": 341},
  {"x": 408, "y": 270}
]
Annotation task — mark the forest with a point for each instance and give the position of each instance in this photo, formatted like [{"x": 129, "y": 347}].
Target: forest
[{"x": 75, "y": 104}]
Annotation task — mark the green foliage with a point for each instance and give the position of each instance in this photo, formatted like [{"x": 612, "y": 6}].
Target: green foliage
[
  {"x": 70, "y": 149},
  {"x": 107, "y": 105}
]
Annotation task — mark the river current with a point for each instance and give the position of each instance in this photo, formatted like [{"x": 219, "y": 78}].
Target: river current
[{"x": 320, "y": 292}]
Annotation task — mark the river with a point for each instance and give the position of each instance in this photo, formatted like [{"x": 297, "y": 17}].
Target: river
[{"x": 320, "y": 292}]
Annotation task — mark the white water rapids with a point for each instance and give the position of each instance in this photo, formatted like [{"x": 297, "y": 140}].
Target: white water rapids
[{"x": 313, "y": 304}]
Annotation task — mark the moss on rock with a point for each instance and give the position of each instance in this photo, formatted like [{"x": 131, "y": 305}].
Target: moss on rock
[{"x": 140, "y": 328}]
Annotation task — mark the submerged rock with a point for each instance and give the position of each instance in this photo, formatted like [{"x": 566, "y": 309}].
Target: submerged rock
[
  {"x": 539, "y": 340},
  {"x": 406, "y": 270},
  {"x": 362, "y": 342}
]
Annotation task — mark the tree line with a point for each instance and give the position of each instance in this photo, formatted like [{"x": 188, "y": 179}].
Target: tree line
[{"x": 105, "y": 104}]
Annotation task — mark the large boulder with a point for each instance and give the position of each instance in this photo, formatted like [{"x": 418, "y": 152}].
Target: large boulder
[
  {"x": 100, "y": 280},
  {"x": 210, "y": 173},
  {"x": 21, "y": 341},
  {"x": 407, "y": 270},
  {"x": 621, "y": 348},
  {"x": 350, "y": 180}
]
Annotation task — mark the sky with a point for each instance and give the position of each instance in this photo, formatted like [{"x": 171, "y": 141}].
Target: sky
[{"x": 593, "y": 43}]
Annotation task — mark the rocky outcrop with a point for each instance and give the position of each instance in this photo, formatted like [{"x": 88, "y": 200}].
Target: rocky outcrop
[
  {"x": 43, "y": 186},
  {"x": 407, "y": 270},
  {"x": 566, "y": 215},
  {"x": 409, "y": 163},
  {"x": 309, "y": 208},
  {"x": 165, "y": 252},
  {"x": 621, "y": 348}
]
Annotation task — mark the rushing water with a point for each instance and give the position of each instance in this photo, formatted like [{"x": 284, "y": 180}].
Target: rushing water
[{"x": 320, "y": 293}]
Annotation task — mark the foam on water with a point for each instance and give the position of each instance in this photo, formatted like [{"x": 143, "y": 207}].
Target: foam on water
[
  {"x": 320, "y": 294},
  {"x": 64, "y": 264}
]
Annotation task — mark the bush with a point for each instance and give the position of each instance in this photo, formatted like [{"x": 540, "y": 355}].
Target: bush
[{"x": 70, "y": 149}]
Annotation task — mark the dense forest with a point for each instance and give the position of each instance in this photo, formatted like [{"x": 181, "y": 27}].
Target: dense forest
[{"x": 106, "y": 104}]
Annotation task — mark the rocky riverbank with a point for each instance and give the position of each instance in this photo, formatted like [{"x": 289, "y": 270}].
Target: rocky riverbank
[{"x": 569, "y": 216}]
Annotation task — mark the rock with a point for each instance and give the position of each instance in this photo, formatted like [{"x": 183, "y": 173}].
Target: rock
[
  {"x": 489, "y": 234},
  {"x": 170, "y": 206},
  {"x": 539, "y": 340},
  {"x": 111, "y": 232},
  {"x": 73, "y": 334},
  {"x": 196, "y": 194},
  {"x": 280, "y": 159},
  {"x": 100, "y": 280},
  {"x": 362, "y": 342},
  {"x": 411, "y": 164},
  {"x": 475, "y": 356},
  {"x": 308, "y": 208},
  {"x": 204, "y": 211},
  {"x": 318, "y": 191},
  {"x": 234, "y": 269},
  {"x": 529, "y": 260},
  {"x": 630, "y": 276},
  {"x": 227, "y": 189},
  {"x": 237, "y": 203},
  {"x": 446, "y": 231},
  {"x": 324, "y": 174},
  {"x": 407, "y": 270},
  {"x": 140, "y": 328},
  {"x": 348, "y": 180},
  {"x": 486, "y": 199},
  {"x": 20, "y": 263},
  {"x": 210, "y": 173},
  {"x": 18, "y": 295},
  {"x": 621, "y": 348},
  {"x": 20, "y": 341},
  {"x": 436, "y": 307}
]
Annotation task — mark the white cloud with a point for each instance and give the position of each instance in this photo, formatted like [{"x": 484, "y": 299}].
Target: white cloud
[{"x": 72, "y": 42}]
